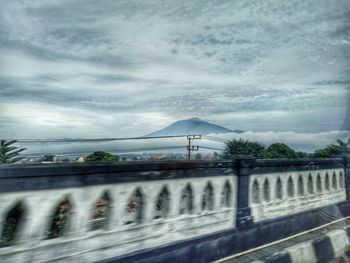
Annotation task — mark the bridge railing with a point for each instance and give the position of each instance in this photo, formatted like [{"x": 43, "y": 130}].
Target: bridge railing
[
  {"x": 110, "y": 210},
  {"x": 278, "y": 194},
  {"x": 90, "y": 212}
]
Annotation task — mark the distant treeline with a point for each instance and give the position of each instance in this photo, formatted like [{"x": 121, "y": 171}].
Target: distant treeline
[{"x": 280, "y": 150}]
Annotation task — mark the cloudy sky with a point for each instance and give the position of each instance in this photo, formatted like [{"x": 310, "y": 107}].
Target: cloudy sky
[{"x": 86, "y": 68}]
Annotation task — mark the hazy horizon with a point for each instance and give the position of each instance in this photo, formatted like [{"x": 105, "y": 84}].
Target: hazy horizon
[{"x": 341, "y": 134}]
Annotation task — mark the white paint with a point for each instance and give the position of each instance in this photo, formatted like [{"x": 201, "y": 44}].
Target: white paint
[
  {"x": 82, "y": 245},
  {"x": 339, "y": 241},
  {"x": 302, "y": 199},
  {"x": 302, "y": 252}
]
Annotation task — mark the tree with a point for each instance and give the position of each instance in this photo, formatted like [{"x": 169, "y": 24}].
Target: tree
[
  {"x": 332, "y": 150},
  {"x": 8, "y": 152},
  {"x": 279, "y": 151},
  {"x": 100, "y": 156},
  {"x": 322, "y": 153},
  {"x": 243, "y": 147},
  {"x": 344, "y": 146}
]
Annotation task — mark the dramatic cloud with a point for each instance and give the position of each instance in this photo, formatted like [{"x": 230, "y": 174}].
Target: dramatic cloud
[{"x": 87, "y": 68}]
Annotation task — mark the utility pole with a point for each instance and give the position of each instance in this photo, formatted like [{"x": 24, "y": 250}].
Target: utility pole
[{"x": 192, "y": 148}]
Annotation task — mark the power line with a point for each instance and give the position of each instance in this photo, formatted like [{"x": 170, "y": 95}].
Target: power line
[
  {"x": 206, "y": 137},
  {"x": 190, "y": 148},
  {"x": 98, "y": 139}
]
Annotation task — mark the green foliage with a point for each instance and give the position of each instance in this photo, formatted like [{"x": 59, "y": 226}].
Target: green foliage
[
  {"x": 243, "y": 147},
  {"x": 274, "y": 151},
  {"x": 100, "y": 156},
  {"x": 8, "y": 233},
  {"x": 9, "y": 153},
  {"x": 322, "y": 153},
  {"x": 332, "y": 150},
  {"x": 10, "y": 226},
  {"x": 160, "y": 203},
  {"x": 279, "y": 151},
  {"x": 59, "y": 220}
]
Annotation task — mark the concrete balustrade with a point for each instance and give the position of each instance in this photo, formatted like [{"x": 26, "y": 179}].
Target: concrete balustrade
[
  {"x": 93, "y": 212},
  {"x": 138, "y": 215},
  {"x": 278, "y": 194}
]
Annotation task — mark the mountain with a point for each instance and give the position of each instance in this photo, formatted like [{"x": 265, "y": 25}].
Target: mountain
[{"x": 191, "y": 126}]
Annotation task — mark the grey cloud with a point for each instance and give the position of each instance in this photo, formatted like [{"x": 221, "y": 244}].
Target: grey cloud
[
  {"x": 183, "y": 58},
  {"x": 78, "y": 35},
  {"x": 195, "y": 99},
  {"x": 43, "y": 53},
  {"x": 332, "y": 82},
  {"x": 120, "y": 78}
]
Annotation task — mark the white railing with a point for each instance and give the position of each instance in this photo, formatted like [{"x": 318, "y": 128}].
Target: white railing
[
  {"x": 279, "y": 194},
  {"x": 99, "y": 222}
]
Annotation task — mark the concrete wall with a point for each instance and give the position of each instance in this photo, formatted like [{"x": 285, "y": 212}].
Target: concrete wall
[
  {"x": 118, "y": 238},
  {"x": 279, "y": 194},
  {"x": 205, "y": 233}
]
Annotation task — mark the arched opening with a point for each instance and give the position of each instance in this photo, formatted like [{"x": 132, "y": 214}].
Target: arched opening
[
  {"x": 134, "y": 208},
  {"x": 162, "y": 204},
  {"x": 12, "y": 224},
  {"x": 60, "y": 219},
  {"x": 327, "y": 183},
  {"x": 341, "y": 180},
  {"x": 301, "y": 191},
  {"x": 226, "y": 195},
  {"x": 319, "y": 183},
  {"x": 208, "y": 198},
  {"x": 100, "y": 213},
  {"x": 334, "y": 181},
  {"x": 186, "y": 201},
  {"x": 266, "y": 190},
  {"x": 290, "y": 187},
  {"x": 310, "y": 185},
  {"x": 278, "y": 188},
  {"x": 256, "y": 192}
]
